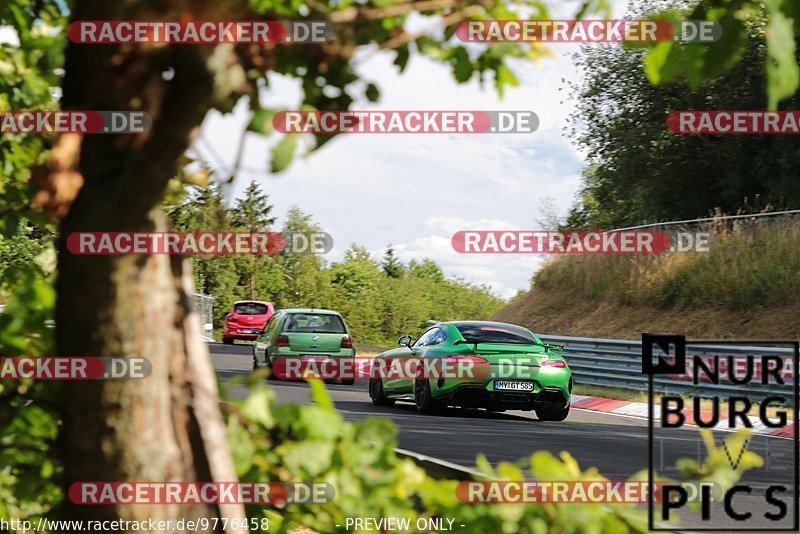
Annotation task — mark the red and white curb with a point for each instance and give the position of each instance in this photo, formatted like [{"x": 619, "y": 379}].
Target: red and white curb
[{"x": 639, "y": 410}]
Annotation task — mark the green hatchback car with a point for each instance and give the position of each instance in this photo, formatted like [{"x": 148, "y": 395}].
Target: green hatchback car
[
  {"x": 496, "y": 366},
  {"x": 304, "y": 334}
]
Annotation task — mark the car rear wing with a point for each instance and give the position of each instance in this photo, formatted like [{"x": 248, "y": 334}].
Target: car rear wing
[{"x": 548, "y": 346}]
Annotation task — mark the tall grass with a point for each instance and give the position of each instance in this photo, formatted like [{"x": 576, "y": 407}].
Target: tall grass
[{"x": 751, "y": 264}]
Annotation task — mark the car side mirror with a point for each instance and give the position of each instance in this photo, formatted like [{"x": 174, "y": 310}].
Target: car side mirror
[{"x": 404, "y": 341}]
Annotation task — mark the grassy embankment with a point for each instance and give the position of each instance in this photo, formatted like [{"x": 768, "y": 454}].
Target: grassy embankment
[{"x": 745, "y": 287}]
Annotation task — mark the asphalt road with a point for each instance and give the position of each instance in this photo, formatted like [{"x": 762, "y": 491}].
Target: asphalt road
[{"x": 616, "y": 445}]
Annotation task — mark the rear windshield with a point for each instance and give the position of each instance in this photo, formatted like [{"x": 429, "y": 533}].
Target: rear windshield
[
  {"x": 487, "y": 333},
  {"x": 316, "y": 323},
  {"x": 250, "y": 308}
]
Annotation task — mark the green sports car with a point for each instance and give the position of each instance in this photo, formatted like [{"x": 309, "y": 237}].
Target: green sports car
[
  {"x": 304, "y": 335},
  {"x": 475, "y": 364}
]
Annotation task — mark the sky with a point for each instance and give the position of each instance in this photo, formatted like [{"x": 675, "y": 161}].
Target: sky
[{"x": 415, "y": 191}]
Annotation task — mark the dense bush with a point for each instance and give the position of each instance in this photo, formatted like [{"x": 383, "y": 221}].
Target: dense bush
[{"x": 292, "y": 443}]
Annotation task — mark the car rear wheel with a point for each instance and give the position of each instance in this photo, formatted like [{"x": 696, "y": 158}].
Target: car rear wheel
[
  {"x": 423, "y": 398},
  {"x": 377, "y": 395},
  {"x": 271, "y": 375},
  {"x": 351, "y": 379},
  {"x": 557, "y": 413},
  {"x": 227, "y": 340}
]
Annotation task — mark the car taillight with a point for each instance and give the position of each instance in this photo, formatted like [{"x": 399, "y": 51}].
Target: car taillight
[
  {"x": 461, "y": 367},
  {"x": 232, "y": 318},
  {"x": 282, "y": 341},
  {"x": 472, "y": 359},
  {"x": 347, "y": 343},
  {"x": 553, "y": 363}
]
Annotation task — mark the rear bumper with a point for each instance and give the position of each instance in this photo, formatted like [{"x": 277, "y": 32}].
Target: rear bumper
[
  {"x": 246, "y": 337},
  {"x": 475, "y": 396},
  {"x": 332, "y": 367},
  {"x": 237, "y": 333}
]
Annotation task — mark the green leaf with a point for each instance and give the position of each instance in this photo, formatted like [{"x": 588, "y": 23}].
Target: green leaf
[
  {"x": 261, "y": 122},
  {"x": 462, "y": 65},
  {"x": 312, "y": 457},
  {"x": 320, "y": 395},
  {"x": 372, "y": 92},
  {"x": 655, "y": 60},
  {"x": 545, "y": 466},
  {"x": 257, "y": 406},
  {"x": 503, "y": 78},
  {"x": 283, "y": 153},
  {"x": 402, "y": 57},
  {"x": 724, "y": 53},
  {"x": 783, "y": 74}
]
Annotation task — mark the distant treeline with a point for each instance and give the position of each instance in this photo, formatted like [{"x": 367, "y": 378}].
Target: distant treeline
[{"x": 381, "y": 299}]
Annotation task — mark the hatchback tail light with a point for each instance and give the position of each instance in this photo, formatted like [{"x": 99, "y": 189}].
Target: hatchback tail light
[
  {"x": 282, "y": 341},
  {"x": 554, "y": 363},
  {"x": 347, "y": 343}
]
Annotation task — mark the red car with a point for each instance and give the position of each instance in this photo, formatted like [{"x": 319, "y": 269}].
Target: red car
[{"x": 246, "y": 320}]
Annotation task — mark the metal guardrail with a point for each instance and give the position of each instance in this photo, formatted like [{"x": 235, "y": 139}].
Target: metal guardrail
[{"x": 618, "y": 363}]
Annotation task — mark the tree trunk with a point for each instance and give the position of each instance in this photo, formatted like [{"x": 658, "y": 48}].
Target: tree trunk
[{"x": 166, "y": 427}]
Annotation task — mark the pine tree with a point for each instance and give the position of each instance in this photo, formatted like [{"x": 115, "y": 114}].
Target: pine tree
[
  {"x": 391, "y": 265},
  {"x": 252, "y": 214}
]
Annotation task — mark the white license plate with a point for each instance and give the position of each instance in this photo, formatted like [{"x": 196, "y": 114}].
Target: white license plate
[
  {"x": 255, "y": 330},
  {"x": 513, "y": 385}
]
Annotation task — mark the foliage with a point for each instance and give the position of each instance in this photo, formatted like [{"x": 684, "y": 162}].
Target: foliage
[
  {"x": 380, "y": 301},
  {"x": 29, "y": 465},
  {"x": 29, "y": 70},
  {"x": 697, "y": 62},
  {"x": 640, "y": 172},
  {"x": 288, "y": 443},
  {"x": 391, "y": 265}
]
